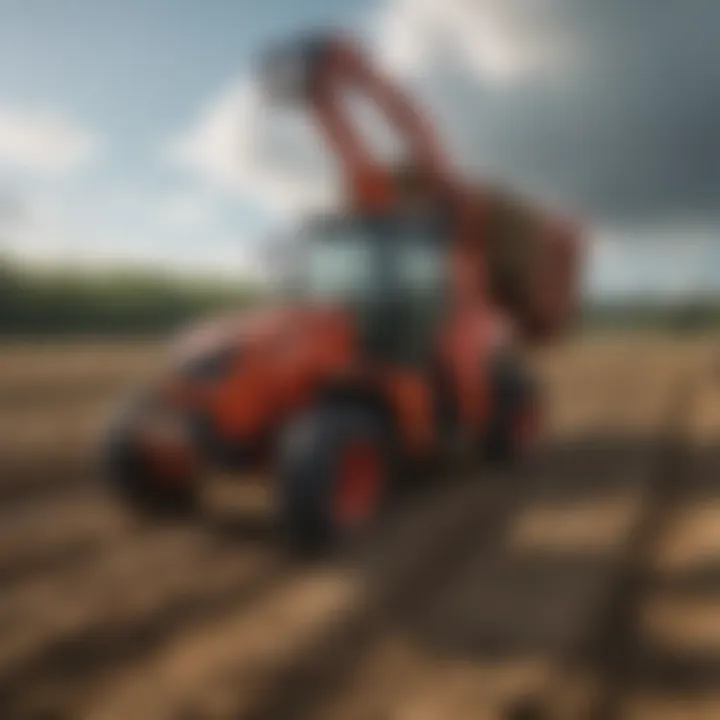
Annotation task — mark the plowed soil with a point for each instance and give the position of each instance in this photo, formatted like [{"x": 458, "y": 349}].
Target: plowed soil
[{"x": 583, "y": 584}]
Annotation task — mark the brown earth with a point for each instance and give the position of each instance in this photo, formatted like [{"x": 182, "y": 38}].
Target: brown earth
[{"x": 585, "y": 584}]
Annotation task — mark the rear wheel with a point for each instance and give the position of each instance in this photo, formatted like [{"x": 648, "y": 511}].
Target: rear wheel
[
  {"x": 514, "y": 426},
  {"x": 151, "y": 480},
  {"x": 334, "y": 476}
]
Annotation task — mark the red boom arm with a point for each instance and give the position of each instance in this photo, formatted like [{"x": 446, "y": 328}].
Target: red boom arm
[{"x": 318, "y": 72}]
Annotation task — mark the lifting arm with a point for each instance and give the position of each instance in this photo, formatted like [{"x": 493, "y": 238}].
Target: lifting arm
[{"x": 316, "y": 72}]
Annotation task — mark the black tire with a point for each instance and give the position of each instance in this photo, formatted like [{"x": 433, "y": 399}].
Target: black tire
[
  {"x": 307, "y": 481},
  {"x": 514, "y": 395},
  {"x": 130, "y": 475}
]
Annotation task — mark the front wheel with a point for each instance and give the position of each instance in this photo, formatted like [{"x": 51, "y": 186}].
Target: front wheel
[
  {"x": 334, "y": 476},
  {"x": 515, "y": 421},
  {"x": 152, "y": 475}
]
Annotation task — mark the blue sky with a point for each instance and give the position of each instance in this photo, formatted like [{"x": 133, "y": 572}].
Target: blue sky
[
  {"x": 137, "y": 68},
  {"x": 118, "y": 124},
  {"x": 131, "y": 74}
]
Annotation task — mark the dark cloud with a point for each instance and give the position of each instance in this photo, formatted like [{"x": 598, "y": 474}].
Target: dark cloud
[{"x": 626, "y": 129}]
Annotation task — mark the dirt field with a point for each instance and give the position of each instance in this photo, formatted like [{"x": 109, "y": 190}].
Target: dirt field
[{"x": 583, "y": 585}]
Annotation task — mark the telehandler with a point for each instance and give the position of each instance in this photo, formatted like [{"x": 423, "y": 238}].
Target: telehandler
[{"x": 397, "y": 345}]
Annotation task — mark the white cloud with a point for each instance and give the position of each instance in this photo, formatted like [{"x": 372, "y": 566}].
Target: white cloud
[
  {"x": 43, "y": 143},
  {"x": 672, "y": 262},
  {"x": 122, "y": 226},
  {"x": 275, "y": 160},
  {"x": 189, "y": 211},
  {"x": 498, "y": 41},
  {"x": 278, "y": 160}
]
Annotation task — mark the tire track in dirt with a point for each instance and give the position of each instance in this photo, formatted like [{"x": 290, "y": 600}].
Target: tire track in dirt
[
  {"x": 594, "y": 678},
  {"x": 664, "y": 661},
  {"x": 392, "y": 591},
  {"x": 618, "y": 629},
  {"x": 132, "y": 601},
  {"x": 36, "y": 540},
  {"x": 415, "y": 551},
  {"x": 59, "y": 477}
]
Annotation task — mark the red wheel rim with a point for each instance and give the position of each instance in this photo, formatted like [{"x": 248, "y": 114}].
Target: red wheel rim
[{"x": 359, "y": 485}]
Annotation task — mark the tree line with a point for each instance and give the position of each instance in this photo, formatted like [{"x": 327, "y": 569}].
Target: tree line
[
  {"x": 64, "y": 302},
  {"x": 687, "y": 315}
]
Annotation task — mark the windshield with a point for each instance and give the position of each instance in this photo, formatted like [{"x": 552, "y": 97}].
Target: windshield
[
  {"x": 361, "y": 262},
  {"x": 340, "y": 267},
  {"x": 391, "y": 272},
  {"x": 420, "y": 268}
]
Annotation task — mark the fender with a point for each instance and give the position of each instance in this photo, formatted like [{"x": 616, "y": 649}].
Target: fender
[{"x": 402, "y": 399}]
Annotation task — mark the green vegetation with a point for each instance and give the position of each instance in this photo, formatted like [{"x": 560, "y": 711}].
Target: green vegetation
[
  {"x": 69, "y": 302},
  {"x": 62, "y": 302},
  {"x": 691, "y": 315}
]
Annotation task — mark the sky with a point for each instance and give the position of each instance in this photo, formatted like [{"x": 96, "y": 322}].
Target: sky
[{"x": 132, "y": 132}]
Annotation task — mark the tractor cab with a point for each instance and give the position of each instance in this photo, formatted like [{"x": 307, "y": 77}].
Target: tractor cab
[
  {"x": 387, "y": 353},
  {"x": 389, "y": 273}
]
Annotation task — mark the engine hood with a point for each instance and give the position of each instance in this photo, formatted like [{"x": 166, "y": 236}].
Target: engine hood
[
  {"x": 245, "y": 372},
  {"x": 279, "y": 326}
]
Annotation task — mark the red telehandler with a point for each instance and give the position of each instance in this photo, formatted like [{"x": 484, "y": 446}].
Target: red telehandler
[{"x": 397, "y": 348}]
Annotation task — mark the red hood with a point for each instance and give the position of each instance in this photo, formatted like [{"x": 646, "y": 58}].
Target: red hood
[{"x": 261, "y": 325}]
